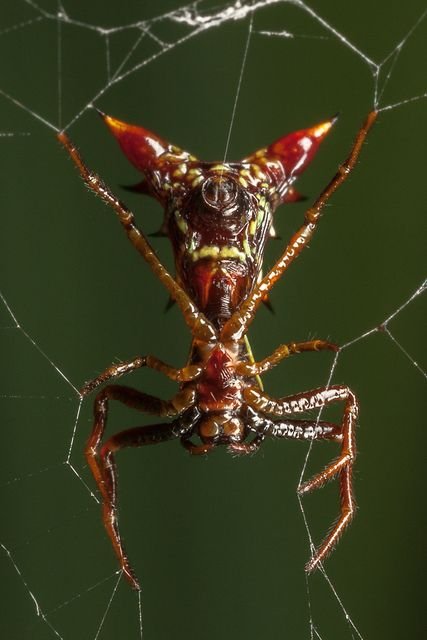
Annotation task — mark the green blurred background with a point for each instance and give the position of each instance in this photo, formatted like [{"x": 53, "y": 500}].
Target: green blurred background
[{"x": 219, "y": 543}]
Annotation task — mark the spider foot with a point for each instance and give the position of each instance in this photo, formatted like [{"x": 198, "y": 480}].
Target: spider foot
[
  {"x": 328, "y": 544},
  {"x": 87, "y": 388},
  {"x": 130, "y": 577},
  {"x": 238, "y": 449}
]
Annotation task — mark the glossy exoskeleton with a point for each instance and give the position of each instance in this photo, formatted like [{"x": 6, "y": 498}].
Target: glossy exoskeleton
[{"x": 218, "y": 217}]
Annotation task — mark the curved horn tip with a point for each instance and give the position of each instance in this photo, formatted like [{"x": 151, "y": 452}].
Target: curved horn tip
[
  {"x": 320, "y": 130},
  {"x": 99, "y": 112}
]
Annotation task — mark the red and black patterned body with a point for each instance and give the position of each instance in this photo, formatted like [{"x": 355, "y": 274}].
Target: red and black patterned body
[{"x": 218, "y": 215}]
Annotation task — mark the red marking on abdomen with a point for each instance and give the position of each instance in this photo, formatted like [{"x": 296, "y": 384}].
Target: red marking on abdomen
[{"x": 218, "y": 388}]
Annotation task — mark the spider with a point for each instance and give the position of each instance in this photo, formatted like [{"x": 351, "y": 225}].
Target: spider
[{"x": 218, "y": 217}]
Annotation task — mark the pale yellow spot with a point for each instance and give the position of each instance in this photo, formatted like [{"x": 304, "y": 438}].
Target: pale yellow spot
[
  {"x": 258, "y": 171},
  {"x": 246, "y": 247},
  {"x": 232, "y": 252},
  {"x": 197, "y": 181},
  {"x": 220, "y": 167},
  {"x": 209, "y": 252},
  {"x": 321, "y": 129},
  {"x": 182, "y": 225}
]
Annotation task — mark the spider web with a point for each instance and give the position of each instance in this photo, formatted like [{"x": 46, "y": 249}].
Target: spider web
[{"x": 219, "y": 543}]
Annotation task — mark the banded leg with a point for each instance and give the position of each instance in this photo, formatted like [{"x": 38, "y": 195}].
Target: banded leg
[
  {"x": 184, "y": 374},
  {"x": 136, "y": 437},
  {"x": 196, "y": 321},
  {"x": 298, "y": 429},
  {"x": 238, "y": 324},
  {"x": 283, "y": 351},
  {"x": 342, "y": 466}
]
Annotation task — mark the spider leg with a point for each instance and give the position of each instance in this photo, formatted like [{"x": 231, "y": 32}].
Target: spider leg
[
  {"x": 241, "y": 319},
  {"x": 136, "y": 437},
  {"x": 100, "y": 459},
  {"x": 298, "y": 429},
  {"x": 184, "y": 374},
  {"x": 247, "y": 448},
  {"x": 197, "y": 322},
  {"x": 342, "y": 466},
  {"x": 135, "y": 400},
  {"x": 283, "y": 351},
  {"x": 196, "y": 449}
]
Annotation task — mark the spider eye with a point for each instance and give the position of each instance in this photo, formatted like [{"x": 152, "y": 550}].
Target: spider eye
[{"x": 220, "y": 192}]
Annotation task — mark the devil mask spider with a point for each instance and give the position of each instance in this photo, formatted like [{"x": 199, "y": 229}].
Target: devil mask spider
[{"x": 218, "y": 217}]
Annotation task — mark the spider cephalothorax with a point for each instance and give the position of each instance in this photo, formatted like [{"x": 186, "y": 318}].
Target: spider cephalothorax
[{"x": 218, "y": 215}]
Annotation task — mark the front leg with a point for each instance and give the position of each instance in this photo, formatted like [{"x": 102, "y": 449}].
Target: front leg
[
  {"x": 239, "y": 322},
  {"x": 196, "y": 321},
  {"x": 342, "y": 466},
  {"x": 184, "y": 374}
]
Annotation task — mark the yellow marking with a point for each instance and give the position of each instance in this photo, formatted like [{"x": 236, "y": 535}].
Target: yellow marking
[
  {"x": 321, "y": 129},
  {"x": 252, "y": 227},
  {"x": 209, "y": 252},
  {"x": 252, "y": 361},
  {"x": 232, "y": 252},
  {"x": 260, "y": 152},
  {"x": 258, "y": 171},
  {"x": 246, "y": 247},
  {"x": 220, "y": 167},
  {"x": 182, "y": 225},
  {"x": 243, "y": 182},
  {"x": 217, "y": 252},
  {"x": 197, "y": 181}
]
